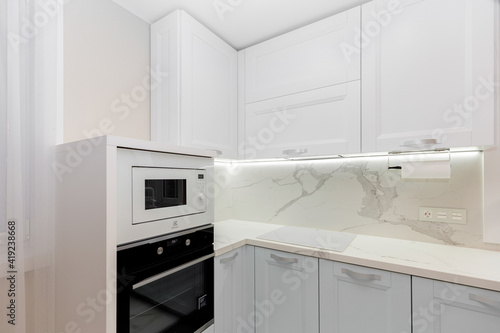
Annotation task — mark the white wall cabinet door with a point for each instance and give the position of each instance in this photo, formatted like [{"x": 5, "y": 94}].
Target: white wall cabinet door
[
  {"x": 209, "y": 77},
  {"x": 302, "y": 91},
  {"x": 304, "y": 59},
  {"x": 196, "y": 105},
  {"x": 234, "y": 272},
  {"x": 360, "y": 299},
  {"x": 441, "y": 307},
  {"x": 165, "y": 60},
  {"x": 286, "y": 292},
  {"x": 324, "y": 121},
  {"x": 427, "y": 72}
]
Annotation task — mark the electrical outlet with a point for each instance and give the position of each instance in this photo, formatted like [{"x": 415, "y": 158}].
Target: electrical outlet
[{"x": 444, "y": 215}]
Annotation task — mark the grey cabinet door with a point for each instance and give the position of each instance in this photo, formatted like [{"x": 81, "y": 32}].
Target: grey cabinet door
[
  {"x": 286, "y": 292},
  {"x": 360, "y": 299}
]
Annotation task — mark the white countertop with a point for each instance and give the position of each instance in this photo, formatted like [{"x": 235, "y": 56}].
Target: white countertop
[{"x": 472, "y": 267}]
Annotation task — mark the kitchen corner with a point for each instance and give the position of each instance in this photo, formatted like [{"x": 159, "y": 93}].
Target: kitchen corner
[
  {"x": 472, "y": 267},
  {"x": 234, "y": 166}
]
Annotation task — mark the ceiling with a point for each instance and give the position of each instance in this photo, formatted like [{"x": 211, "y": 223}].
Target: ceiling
[{"x": 243, "y": 23}]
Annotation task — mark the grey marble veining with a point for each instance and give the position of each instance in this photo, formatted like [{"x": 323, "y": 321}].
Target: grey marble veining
[{"x": 357, "y": 195}]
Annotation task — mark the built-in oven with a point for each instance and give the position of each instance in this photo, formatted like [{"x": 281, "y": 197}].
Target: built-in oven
[{"x": 166, "y": 284}]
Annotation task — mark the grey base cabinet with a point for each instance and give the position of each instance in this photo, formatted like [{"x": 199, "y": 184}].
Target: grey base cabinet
[
  {"x": 234, "y": 283},
  {"x": 355, "y": 299},
  {"x": 260, "y": 290},
  {"x": 440, "y": 307},
  {"x": 286, "y": 292}
]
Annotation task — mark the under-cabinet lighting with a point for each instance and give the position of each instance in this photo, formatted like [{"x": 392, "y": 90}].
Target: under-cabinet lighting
[{"x": 368, "y": 156}]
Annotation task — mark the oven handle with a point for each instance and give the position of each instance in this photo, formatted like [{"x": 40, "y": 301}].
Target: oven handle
[{"x": 171, "y": 271}]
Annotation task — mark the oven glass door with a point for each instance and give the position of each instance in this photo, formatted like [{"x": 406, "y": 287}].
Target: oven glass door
[
  {"x": 179, "y": 300},
  {"x": 163, "y": 193}
]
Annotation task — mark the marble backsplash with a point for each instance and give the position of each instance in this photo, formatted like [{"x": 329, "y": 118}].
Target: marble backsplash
[{"x": 359, "y": 195}]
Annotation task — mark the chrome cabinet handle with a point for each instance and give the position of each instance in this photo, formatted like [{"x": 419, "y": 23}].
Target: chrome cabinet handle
[
  {"x": 361, "y": 276},
  {"x": 294, "y": 152},
  {"x": 229, "y": 259},
  {"x": 484, "y": 300},
  {"x": 421, "y": 142},
  {"x": 284, "y": 260}
]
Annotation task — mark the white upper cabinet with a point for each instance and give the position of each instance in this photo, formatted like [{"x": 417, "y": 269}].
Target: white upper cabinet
[
  {"x": 165, "y": 97},
  {"x": 428, "y": 67},
  {"x": 304, "y": 59},
  {"x": 196, "y": 105},
  {"x": 318, "y": 122},
  {"x": 440, "y": 307},
  {"x": 302, "y": 91},
  {"x": 361, "y": 299}
]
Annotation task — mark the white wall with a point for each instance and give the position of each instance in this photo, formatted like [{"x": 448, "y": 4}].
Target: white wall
[{"x": 106, "y": 63}]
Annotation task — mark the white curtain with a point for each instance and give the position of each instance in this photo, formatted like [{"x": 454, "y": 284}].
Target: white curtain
[{"x": 29, "y": 102}]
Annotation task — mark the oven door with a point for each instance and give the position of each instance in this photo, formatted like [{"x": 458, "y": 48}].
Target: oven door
[
  {"x": 178, "y": 300},
  {"x": 163, "y": 193}
]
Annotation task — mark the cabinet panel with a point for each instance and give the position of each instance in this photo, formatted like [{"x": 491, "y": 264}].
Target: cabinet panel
[
  {"x": 234, "y": 283},
  {"x": 304, "y": 59},
  {"x": 441, "y": 307},
  {"x": 319, "y": 122},
  {"x": 360, "y": 299},
  {"x": 286, "y": 292},
  {"x": 208, "y": 90},
  {"x": 425, "y": 74},
  {"x": 165, "y": 99},
  {"x": 196, "y": 104}
]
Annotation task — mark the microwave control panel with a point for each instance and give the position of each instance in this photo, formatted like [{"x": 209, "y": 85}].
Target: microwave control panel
[{"x": 201, "y": 189}]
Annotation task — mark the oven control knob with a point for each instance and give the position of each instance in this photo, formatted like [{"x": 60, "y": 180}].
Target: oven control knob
[
  {"x": 188, "y": 242},
  {"x": 159, "y": 250}
]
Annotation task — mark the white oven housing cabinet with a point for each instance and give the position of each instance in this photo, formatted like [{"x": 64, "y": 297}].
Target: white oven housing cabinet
[
  {"x": 94, "y": 215},
  {"x": 159, "y": 193}
]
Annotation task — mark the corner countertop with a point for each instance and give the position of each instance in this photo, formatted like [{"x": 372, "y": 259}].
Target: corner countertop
[{"x": 467, "y": 266}]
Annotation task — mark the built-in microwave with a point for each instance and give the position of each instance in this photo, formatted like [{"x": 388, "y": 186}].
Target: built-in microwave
[
  {"x": 161, "y": 193},
  {"x": 166, "y": 193}
]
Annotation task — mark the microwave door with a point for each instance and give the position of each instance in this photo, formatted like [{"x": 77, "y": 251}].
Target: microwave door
[{"x": 163, "y": 193}]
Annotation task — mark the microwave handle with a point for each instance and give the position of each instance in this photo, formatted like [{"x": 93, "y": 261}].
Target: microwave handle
[{"x": 171, "y": 271}]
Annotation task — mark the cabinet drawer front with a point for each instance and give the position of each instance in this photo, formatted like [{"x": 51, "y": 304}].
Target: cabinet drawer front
[
  {"x": 440, "y": 307},
  {"x": 363, "y": 275},
  {"x": 319, "y": 122},
  {"x": 467, "y": 296},
  {"x": 307, "y": 58}
]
